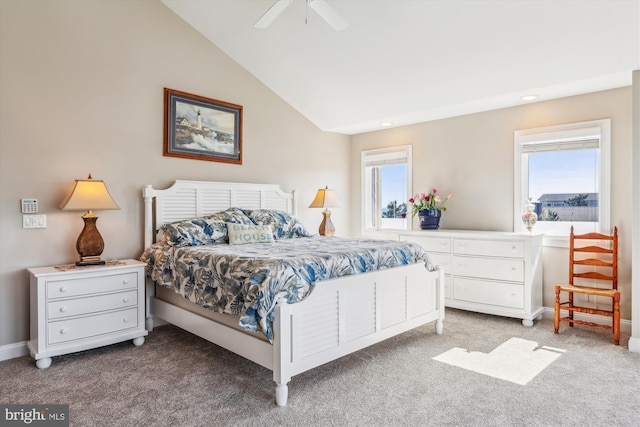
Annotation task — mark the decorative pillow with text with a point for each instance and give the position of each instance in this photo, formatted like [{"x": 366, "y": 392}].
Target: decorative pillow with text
[{"x": 240, "y": 234}]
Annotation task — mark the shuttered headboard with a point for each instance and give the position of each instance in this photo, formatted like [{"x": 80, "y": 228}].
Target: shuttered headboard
[{"x": 190, "y": 199}]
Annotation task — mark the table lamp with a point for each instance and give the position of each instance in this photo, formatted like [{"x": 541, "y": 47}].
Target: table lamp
[
  {"x": 89, "y": 195},
  {"x": 326, "y": 198}
]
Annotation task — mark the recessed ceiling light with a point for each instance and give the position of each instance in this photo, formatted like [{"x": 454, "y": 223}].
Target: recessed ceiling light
[
  {"x": 529, "y": 97},
  {"x": 386, "y": 124}
]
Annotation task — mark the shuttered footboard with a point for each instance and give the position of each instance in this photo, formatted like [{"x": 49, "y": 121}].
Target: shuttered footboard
[{"x": 350, "y": 313}]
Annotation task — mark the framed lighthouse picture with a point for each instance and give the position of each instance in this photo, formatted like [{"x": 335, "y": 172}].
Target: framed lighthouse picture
[{"x": 200, "y": 128}]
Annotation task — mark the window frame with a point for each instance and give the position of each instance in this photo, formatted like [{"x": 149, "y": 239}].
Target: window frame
[
  {"x": 559, "y": 133},
  {"x": 404, "y": 151}
]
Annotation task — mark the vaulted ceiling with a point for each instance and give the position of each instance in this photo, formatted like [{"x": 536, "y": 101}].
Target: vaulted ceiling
[{"x": 409, "y": 61}]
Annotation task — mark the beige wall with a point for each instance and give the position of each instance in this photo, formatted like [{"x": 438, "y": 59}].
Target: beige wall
[
  {"x": 472, "y": 157},
  {"x": 81, "y": 91}
]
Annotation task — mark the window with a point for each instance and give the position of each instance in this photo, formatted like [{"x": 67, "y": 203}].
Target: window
[
  {"x": 564, "y": 171},
  {"x": 386, "y": 186}
]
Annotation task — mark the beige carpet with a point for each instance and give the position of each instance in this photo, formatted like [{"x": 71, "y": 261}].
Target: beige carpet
[{"x": 177, "y": 379}]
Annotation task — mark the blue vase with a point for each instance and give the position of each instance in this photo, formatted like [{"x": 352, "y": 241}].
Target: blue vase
[{"x": 430, "y": 219}]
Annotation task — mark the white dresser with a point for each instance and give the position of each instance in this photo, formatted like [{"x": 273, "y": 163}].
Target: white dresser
[
  {"x": 488, "y": 272},
  {"x": 78, "y": 308}
]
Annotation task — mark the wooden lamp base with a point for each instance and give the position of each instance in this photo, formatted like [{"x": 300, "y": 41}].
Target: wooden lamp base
[{"x": 90, "y": 244}]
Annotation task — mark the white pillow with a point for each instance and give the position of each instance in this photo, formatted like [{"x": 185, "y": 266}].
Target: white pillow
[{"x": 239, "y": 234}]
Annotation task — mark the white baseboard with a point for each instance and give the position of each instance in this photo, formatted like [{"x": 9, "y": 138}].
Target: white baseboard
[
  {"x": 11, "y": 351},
  {"x": 634, "y": 345},
  {"x": 625, "y": 325}
]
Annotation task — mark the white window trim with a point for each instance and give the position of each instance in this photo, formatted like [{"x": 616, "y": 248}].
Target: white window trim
[
  {"x": 564, "y": 133},
  {"x": 382, "y": 152}
]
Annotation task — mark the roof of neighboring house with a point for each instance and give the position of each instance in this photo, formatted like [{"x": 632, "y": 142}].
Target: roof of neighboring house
[{"x": 552, "y": 197}]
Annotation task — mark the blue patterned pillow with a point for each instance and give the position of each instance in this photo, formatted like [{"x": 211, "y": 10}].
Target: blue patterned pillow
[
  {"x": 205, "y": 230},
  {"x": 284, "y": 225}
]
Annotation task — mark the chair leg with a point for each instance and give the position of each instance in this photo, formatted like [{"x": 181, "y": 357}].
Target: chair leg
[
  {"x": 556, "y": 312},
  {"x": 616, "y": 318},
  {"x": 571, "y": 306}
]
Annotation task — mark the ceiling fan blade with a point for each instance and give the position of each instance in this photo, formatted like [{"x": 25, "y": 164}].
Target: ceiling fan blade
[
  {"x": 329, "y": 14},
  {"x": 270, "y": 15}
]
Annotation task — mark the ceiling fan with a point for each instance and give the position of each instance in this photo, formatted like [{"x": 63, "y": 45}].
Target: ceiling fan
[{"x": 321, "y": 7}]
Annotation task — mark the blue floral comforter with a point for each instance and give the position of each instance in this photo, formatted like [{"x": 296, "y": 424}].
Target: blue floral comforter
[{"x": 248, "y": 280}]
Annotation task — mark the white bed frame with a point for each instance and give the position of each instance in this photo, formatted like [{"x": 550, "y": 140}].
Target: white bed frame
[{"x": 339, "y": 317}]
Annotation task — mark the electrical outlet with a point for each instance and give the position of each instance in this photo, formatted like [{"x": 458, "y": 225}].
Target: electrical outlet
[{"x": 34, "y": 221}]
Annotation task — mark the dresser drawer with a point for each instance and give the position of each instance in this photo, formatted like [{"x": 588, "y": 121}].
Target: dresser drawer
[
  {"x": 488, "y": 292},
  {"x": 91, "y": 285},
  {"x": 492, "y": 248},
  {"x": 430, "y": 244},
  {"x": 443, "y": 260},
  {"x": 84, "y": 327},
  {"x": 93, "y": 304},
  {"x": 488, "y": 268}
]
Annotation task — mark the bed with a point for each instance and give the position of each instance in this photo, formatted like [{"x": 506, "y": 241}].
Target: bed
[{"x": 322, "y": 317}]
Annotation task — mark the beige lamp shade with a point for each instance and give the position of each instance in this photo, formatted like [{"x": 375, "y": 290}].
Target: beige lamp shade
[
  {"x": 326, "y": 198},
  {"x": 88, "y": 195}
]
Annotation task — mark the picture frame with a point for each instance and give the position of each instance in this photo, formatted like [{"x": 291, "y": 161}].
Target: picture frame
[{"x": 201, "y": 128}]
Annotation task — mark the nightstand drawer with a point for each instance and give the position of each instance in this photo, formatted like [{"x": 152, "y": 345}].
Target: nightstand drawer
[
  {"x": 74, "y": 307},
  {"x": 91, "y": 285},
  {"x": 84, "y": 327},
  {"x": 491, "y": 248}
]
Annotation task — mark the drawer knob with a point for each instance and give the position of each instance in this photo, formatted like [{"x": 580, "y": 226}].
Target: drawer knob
[
  {"x": 125, "y": 299},
  {"x": 125, "y": 281},
  {"x": 125, "y": 319},
  {"x": 63, "y": 331},
  {"x": 63, "y": 309},
  {"x": 63, "y": 289}
]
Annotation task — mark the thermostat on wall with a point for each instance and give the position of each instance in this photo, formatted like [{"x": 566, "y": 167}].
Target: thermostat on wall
[{"x": 29, "y": 206}]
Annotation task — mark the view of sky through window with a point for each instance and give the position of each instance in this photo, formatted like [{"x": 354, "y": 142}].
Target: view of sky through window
[
  {"x": 394, "y": 185},
  {"x": 569, "y": 171}
]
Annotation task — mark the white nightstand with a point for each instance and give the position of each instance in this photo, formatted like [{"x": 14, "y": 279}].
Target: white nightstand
[{"x": 78, "y": 308}]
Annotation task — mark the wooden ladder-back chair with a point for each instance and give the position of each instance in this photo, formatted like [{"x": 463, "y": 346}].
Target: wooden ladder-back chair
[{"x": 594, "y": 257}]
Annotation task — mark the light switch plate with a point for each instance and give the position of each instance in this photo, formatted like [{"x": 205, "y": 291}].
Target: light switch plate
[{"x": 34, "y": 221}]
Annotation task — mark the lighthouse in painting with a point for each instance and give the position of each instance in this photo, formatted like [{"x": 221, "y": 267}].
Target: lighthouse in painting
[{"x": 199, "y": 124}]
